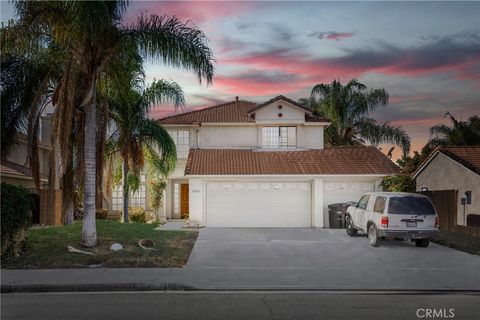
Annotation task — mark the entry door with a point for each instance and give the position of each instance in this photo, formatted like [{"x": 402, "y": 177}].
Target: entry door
[{"x": 184, "y": 201}]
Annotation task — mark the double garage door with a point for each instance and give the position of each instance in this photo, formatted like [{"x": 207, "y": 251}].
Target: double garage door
[
  {"x": 259, "y": 204},
  {"x": 274, "y": 204}
]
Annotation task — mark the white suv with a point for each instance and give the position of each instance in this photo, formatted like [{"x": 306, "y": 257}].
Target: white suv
[{"x": 396, "y": 215}]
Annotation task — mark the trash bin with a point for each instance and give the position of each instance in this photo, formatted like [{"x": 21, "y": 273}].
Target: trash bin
[{"x": 336, "y": 214}]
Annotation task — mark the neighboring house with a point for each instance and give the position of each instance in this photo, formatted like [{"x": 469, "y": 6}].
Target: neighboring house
[
  {"x": 243, "y": 164},
  {"x": 15, "y": 168},
  {"x": 454, "y": 168}
]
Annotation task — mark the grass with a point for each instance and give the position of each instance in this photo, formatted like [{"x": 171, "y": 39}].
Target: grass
[
  {"x": 459, "y": 241},
  {"x": 47, "y": 247}
]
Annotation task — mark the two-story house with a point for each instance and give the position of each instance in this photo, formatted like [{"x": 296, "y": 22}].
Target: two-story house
[{"x": 243, "y": 164}]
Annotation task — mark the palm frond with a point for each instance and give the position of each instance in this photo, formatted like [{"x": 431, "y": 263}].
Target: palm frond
[
  {"x": 162, "y": 91},
  {"x": 174, "y": 43},
  {"x": 159, "y": 140},
  {"x": 377, "y": 133}
]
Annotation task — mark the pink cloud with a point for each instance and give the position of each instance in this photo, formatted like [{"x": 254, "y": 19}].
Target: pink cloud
[{"x": 252, "y": 87}]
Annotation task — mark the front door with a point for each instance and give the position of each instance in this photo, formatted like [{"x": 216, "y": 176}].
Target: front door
[{"x": 184, "y": 201}]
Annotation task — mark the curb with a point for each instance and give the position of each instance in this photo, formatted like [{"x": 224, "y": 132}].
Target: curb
[
  {"x": 96, "y": 287},
  {"x": 13, "y": 288}
]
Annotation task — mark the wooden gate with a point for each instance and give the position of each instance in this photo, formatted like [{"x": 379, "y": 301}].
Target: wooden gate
[{"x": 445, "y": 202}]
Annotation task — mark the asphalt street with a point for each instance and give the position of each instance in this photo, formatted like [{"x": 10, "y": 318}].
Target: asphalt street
[{"x": 239, "y": 305}]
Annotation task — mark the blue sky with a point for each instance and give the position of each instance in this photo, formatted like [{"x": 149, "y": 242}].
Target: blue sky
[{"x": 425, "y": 54}]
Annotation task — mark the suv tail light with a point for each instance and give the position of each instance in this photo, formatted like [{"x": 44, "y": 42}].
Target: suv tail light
[
  {"x": 437, "y": 223},
  {"x": 384, "y": 221}
]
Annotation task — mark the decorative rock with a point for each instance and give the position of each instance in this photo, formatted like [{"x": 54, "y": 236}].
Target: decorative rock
[{"x": 116, "y": 247}]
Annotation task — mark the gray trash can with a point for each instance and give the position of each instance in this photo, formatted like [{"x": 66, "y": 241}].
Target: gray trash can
[{"x": 336, "y": 214}]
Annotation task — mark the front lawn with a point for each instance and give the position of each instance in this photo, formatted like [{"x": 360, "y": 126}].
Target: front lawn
[{"x": 47, "y": 247}]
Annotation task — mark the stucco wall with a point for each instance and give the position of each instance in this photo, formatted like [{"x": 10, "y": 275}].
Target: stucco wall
[
  {"x": 310, "y": 137},
  {"x": 443, "y": 173},
  {"x": 27, "y": 183},
  {"x": 271, "y": 112},
  {"x": 227, "y": 137},
  {"x": 19, "y": 156}
]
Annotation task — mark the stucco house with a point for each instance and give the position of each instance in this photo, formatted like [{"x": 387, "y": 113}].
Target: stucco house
[
  {"x": 15, "y": 168},
  {"x": 243, "y": 164},
  {"x": 454, "y": 168}
]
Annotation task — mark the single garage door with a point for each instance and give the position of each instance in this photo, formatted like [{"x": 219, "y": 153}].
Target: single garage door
[
  {"x": 259, "y": 204},
  {"x": 335, "y": 192}
]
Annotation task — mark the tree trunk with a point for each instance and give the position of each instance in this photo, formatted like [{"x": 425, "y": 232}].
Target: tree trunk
[
  {"x": 125, "y": 192},
  {"x": 69, "y": 214},
  {"x": 89, "y": 230}
]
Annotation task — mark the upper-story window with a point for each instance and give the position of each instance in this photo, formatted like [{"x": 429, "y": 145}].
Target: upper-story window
[
  {"x": 279, "y": 137},
  {"x": 182, "y": 141}
]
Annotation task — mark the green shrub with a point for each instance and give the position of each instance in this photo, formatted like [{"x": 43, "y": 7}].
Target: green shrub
[
  {"x": 136, "y": 214},
  {"x": 16, "y": 216},
  {"x": 399, "y": 183},
  {"x": 101, "y": 214}
]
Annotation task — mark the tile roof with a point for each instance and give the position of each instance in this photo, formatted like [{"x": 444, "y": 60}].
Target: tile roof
[
  {"x": 330, "y": 161},
  {"x": 298, "y": 105},
  {"x": 234, "y": 111},
  {"x": 468, "y": 156},
  {"x": 11, "y": 168}
]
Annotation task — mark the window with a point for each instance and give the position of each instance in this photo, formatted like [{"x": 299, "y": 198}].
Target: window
[
  {"x": 279, "y": 137},
  {"x": 362, "y": 204},
  {"x": 379, "y": 204},
  {"x": 176, "y": 198},
  {"x": 182, "y": 142},
  {"x": 410, "y": 205},
  {"x": 137, "y": 199},
  {"x": 117, "y": 198}
]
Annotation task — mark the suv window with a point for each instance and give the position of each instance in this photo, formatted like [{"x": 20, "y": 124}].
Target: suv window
[
  {"x": 410, "y": 205},
  {"x": 379, "y": 204},
  {"x": 362, "y": 204}
]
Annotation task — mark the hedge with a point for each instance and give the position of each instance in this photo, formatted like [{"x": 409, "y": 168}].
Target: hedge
[{"x": 16, "y": 216}]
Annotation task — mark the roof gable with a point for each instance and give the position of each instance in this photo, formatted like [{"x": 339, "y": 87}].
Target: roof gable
[
  {"x": 238, "y": 111},
  {"x": 284, "y": 99},
  {"x": 468, "y": 157}
]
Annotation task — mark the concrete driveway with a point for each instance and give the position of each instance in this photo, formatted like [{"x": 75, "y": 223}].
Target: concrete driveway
[{"x": 304, "y": 258}]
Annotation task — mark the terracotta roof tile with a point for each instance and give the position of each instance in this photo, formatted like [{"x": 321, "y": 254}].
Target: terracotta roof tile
[
  {"x": 228, "y": 112},
  {"x": 234, "y": 111},
  {"x": 11, "y": 168},
  {"x": 335, "y": 160},
  {"x": 467, "y": 156},
  {"x": 298, "y": 105}
]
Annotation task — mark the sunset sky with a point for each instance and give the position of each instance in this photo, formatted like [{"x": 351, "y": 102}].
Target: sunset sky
[{"x": 426, "y": 55}]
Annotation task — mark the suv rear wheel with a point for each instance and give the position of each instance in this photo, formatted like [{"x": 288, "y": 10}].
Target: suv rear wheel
[
  {"x": 351, "y": 231},
  {"x": 373, "y": 238},
  {"x": 422, "y": 243}
]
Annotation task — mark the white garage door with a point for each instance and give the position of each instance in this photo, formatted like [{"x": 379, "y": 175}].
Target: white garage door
[
  {"x": 334, "y": 192},
  {"x": 258, "y": 204}
]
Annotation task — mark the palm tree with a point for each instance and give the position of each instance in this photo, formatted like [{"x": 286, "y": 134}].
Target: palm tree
[
  {"x": 460, "y": 133},
  {"x": 348, "y": 107},
  {"x": 90, "y": 34},
  {"x": 138, "y": 139}
]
